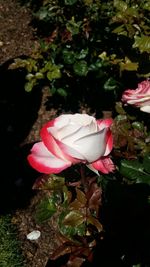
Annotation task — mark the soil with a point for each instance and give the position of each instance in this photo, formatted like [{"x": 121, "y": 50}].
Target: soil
[{"x": 17, "y": 37}]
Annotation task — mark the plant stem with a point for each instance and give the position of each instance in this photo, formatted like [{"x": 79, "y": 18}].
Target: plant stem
[{"x": 84, "y": 180}]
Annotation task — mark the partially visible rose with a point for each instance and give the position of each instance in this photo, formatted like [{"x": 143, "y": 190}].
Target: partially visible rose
[
  {"x": 139, "y": 97},
  {"x": 71, "y": 139}
]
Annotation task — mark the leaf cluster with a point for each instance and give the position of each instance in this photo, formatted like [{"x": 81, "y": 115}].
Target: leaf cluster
[
  {"x": 88, "y": 44},
  {"x": 73, "y": 212},
  {"x": 131, "y": 134}
]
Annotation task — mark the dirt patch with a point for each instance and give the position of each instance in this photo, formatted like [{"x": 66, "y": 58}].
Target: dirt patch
[
  {"x": 17, "y": 37},
  {"x": 36, "y": 252}
]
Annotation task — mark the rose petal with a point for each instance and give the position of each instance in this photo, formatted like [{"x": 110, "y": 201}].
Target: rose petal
[
  {"x": 109, "y": 142},
  {"x": 92, "y": 146},
  {"x": 106, "y": 123},
  {"x": 105, "y": 165},
  {"x": 34, "y": 235},
  {"x": 50, "y": 143},
  {"x": 93, "y": 169},
  {"x": 44, "y": 161},
  {"x": 78, "y": 126},
  {"x": 70, "y": 153},
  {"x": 145, "y": 109}
]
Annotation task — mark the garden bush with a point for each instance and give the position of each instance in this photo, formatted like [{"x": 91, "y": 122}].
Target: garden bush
[{"x": 89, "y": 50}]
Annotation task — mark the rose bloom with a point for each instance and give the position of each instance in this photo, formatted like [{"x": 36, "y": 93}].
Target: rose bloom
[
  {"x": 71, "y": 139},
  {"x": 139, "y": 97}
]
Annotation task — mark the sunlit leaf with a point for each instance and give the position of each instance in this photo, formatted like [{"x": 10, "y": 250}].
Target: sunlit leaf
[
  {"x": 146, "y": 5},
  {"x": 74, "y": 218},
  {"x": 29, "y": 85},
  {"x": 143, "y": 43},
  {"x": 73, "y": 26},
  {"x": 39, "y": 75},
  {"x": 120, "y": 30},
  {"x": 129, "y": 65},
  {"x": 120, "y": 5},
  {"x": 54, "y": 74}
]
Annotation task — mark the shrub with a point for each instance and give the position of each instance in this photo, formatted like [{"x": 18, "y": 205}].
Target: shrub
[{"x": 89, "y": 49}]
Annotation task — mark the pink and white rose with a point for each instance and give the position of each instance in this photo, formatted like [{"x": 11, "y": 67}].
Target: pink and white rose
[
  {"x": 71, "y": 139},
  {"x": 139, "y": 97}
]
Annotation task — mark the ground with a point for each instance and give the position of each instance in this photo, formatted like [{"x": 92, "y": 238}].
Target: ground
[{"x": 17, "y": 37}]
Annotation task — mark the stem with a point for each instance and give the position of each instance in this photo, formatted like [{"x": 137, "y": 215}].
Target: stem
[{"x": 84, "y": 180}]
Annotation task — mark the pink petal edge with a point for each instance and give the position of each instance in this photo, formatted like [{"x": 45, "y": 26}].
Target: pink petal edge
[{"x": 104, "y": 165}]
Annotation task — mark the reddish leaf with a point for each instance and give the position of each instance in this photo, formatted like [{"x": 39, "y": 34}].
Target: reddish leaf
[
  {"x": 92, "y": 220},
  {"x": 94, "y": 197},
  {"x": 75, "y": 262},
  {"x": 74, "y": 218}
]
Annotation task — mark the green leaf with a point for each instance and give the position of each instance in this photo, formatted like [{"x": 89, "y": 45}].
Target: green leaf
[
  {"x": 146, "y": 163},
  {"x": 110, "y": 84},
  {"x": 119, "y": 108},
  {"x": 146, "y": 5},
  {"x": 120, "y": 5},
  {"x": 62, "y": 92},
  {"x": 96, "y": 66},
  {"x": 54, "y": 73},
  {"x": 73, "y": 26},
  {"x": 143, "y": 43},
  {"x": 29, "y": 76},
  {"x": 70, "y": 2},
  {"x": 45, "y": 210},
  {"x": 68, "y": 56},
  {"x": 74, "y": 218},
  {"x": 130, "y": 169},
  {"x": 39, "y": 75},
  {"x": 134, "y": 171},
  {"x": 42, "y": 13},
  {"x": 138, "y": 125},
  {"x": 120, "y": 30},
  {"x": 29, "y": 85},
  {"x": 71, "y": 228},
  {"x": 81, "y": 68},
  {"x": 83, "y": 53},
  {"x": 129, "y": 65}
]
